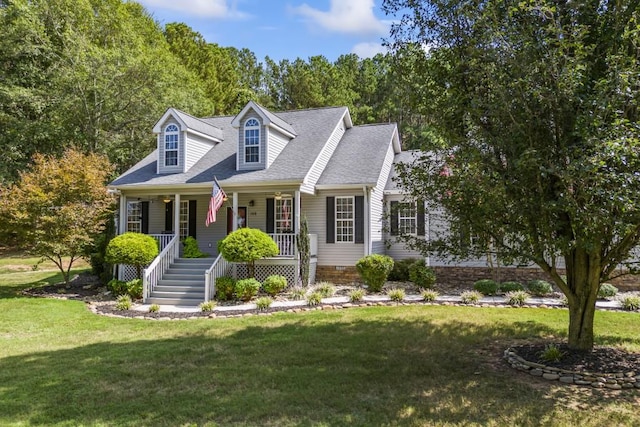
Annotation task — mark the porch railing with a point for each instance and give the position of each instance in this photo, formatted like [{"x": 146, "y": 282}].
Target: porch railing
[
  {"x": 162, "y": 239},
  {"x": 286, "y": 243},
  {"x": 219, "y": 268},
  {"x": 160, "y": 264}
]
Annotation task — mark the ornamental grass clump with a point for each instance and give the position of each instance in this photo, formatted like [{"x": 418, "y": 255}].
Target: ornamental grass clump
[
  {"x": 396, "y": 295},
  {"x": 630, "y": 302},
  {"x": 297, "y": 293},
  {"x": 263, "y": 303},
  {"x": 517, "y": 298},
  {"x": 470, "y": 297},
  {"x": 123, "y": 303},
  {"x": 154, "y": 308},
  {"x": 374, "y": 270},
  {"x": 539, "y": 288},
  {"x": 356, "y": 295},
  {"x": 551, "y": 353},
  {"x": 207, "y": 306},
  {"x": 326, "y": 289},
  {"x": 314, "y": 298},
  {"x": 429, "y": 295}
]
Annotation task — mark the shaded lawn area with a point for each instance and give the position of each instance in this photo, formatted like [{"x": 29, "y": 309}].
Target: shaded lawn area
[{"x": 408, "y": 365}]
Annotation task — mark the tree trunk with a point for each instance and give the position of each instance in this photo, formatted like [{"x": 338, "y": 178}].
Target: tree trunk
[{"x": 583, "y": 280}]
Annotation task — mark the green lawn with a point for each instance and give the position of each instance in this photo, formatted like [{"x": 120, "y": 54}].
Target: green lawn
[{"x": 408, "y": 365}]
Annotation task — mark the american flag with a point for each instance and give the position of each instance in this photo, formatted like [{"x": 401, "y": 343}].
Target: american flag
[{"x": 217, "y": 199}]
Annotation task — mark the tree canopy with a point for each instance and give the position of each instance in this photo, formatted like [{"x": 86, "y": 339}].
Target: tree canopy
[{"x": 535, "y": 150}]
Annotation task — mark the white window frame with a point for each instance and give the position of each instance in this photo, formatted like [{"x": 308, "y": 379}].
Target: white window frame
[
  {"x": 407, "y": 218},
  {"x": 278, "y": 216},
  {"x": 171, "y": 144},
  {"x": 345, "y": 220},
  {"x": 184, "y": 219},
  {"x": 134, "y": 217},
  {"x": 252, "y": 140}
]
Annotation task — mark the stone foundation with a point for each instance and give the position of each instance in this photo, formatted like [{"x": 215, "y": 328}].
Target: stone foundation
[{"x": 337, "y": 274}]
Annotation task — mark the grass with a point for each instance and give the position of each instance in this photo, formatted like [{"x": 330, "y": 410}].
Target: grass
[{"x": 409, "y": 366}]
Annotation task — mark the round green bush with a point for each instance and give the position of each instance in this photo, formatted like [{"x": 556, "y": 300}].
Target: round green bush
[
  {"x": 400, "y": 271},
  {"x": 374, "y": 270},
  {"x": 422, "y": 276},
  {"x": 486, "y": 286},
  {"x": 191, "y": 249},
  {"x": 607, "y": 290},
  {"x": 274, "y": 284},
  {"x": 511, "y": 286},
  {"x": 135, "y": 249},
  {"x": 247, "y": 245},
  {"x": 539, "y": 288},
  {"x": 225, "y": 288},
  {"x": 246, "y": 289}
]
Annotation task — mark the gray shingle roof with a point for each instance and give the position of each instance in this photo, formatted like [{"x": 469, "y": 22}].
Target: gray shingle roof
[
  {"x": 359, "y": 156},
  {"x": 277, "y": 120},
  {"x": 402, "y": 157},
  {"x": 199, "y": 125}
]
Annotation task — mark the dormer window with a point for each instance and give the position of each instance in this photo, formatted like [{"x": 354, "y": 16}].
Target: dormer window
[
  {"x": 252, "y": 141},
  {"x": 171, "y": 138}
]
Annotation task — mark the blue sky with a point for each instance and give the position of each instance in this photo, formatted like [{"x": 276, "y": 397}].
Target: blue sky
[{"x": 282, "y": 29}]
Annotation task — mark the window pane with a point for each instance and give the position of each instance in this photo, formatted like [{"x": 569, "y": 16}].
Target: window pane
[
  {"x": 252, "y": 154},
  {"x": 184, "y": 219},
  {"x": 171, "y": 158},
  {"x": 134, "y": 217},
  {"x": 344, "y": 219},
  {"x": 283, "y": 215},
  {"x": 407, "y": 218}
]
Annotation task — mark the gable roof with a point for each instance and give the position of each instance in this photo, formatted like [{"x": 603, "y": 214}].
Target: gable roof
[
  {"x": 189, "y": 122},
  {"x": 268, "y": 117},
  {"x": 359, "y": 157},
  {"x": 402, "y": 157}
]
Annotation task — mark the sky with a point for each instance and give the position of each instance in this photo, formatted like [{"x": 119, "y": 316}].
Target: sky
[{"x": 282, "y": 29}]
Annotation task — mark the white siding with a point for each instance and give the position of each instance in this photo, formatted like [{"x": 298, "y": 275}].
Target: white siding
[
  {"x": 377, "y": 216},
  {"x": 242, "y": 165},
  {"x": 277, "y": 141},
  {"x": 172, "y": 169},
  {"x": 340, "y": 254},
  {"x": 397, "y": 249},
  {"x": 323, "y": 158},
  {"x": 195, "y": 147}
]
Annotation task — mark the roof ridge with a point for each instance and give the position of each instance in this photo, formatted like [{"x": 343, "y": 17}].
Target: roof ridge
[{"x": 196, "y": 118}]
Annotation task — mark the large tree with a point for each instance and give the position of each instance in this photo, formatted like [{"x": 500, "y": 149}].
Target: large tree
[
  {"x": 58, "y": 207},
  {"x": 537, "y": 154}
]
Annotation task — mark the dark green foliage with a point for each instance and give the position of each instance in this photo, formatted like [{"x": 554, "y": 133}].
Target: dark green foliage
[
  {"x": 132, "y": 288},
  {"x": 486, "y": 286},
  {"x": 135, "y": 249},
  {"x": 225, "y": 288},
  {"x": 374, "y": 270},
  {"x": 274, "y": 284},
  {"x": 246, "y": 289},
  {"x": 97, "y": 252},
  {"x": 539, "y": 288},
  {"x": 607, "y": 290},
  {"x": 247, "y": 245},
  {"x": 117, "y": 287},
  {"x": 304, "y": 250},
  {"x": 422, "y": 276},
  {"x": 400, "y": 271},
  {"x": 191, "y": 249},
  {"x": 510, "y": 287}
]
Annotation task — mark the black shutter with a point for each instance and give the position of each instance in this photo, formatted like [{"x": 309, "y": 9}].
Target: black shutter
[
  {"x": 359, "y": 223},
  {"x": 394, "y": 218},
  {"x": 331, "y": 221},
  {"x": 420, "y": 219},
  {"x": 192, "y": 218},
  {"x": 271, "y": 210},
  {"x": 144, "y": 211},
  {"x": 168, "y": 216}
]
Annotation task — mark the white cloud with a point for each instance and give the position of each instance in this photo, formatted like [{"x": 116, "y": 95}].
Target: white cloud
[
  {"x": 345, "y": 16},
  {"x": 368, "y": 50},
  {"x": 200, "y": 8}
]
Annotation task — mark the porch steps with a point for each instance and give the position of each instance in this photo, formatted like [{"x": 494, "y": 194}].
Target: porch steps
[{"x": 182, "y": 283}]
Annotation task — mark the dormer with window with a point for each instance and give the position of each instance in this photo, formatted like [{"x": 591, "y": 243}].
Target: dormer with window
[
  {"x": 183, "y": 140},
  {"x": 261, "y": 137}
]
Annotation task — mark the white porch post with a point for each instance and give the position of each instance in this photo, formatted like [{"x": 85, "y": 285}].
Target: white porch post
[
  {"x": 296, "y": 223},
  {"x": 367, "y": 222},
  {"x": 235, "y": 211},
  {"x": 122, "y": 221},
  {"x": 176, "y": 215}
]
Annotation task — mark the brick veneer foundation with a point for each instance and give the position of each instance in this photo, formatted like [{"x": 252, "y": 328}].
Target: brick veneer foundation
[{"x": 337, "y": 274}]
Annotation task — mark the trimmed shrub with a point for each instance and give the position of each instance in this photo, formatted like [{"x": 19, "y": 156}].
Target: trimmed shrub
[
  {"x": 400, "y": 270},
  {"x": 486, "y": 286},
  {"x": 607, "y": 290},
  {"x": 511, "y": 287},
  {"x": 630, "y": 302},
  {"x": 274, "y": 284},
  {"x": 374, "y": 270},
  {"x": 356, "y": 295},
  {"x": 207, "y": 306},
  {"x": 246, "y": 289},
  {"x": 470, "y": 297},
  {"x": 123, "y": 303},
  {"x": 247, "y": 245},
  {"x": 263, "y": 303},
  {"x": 225, "y": 288},
  {"x": 191, "y": 249},
  {"x": 429, "y": 295},
  {"x": 517, "y": 298},
  {"x": 314, "y": 298},
  {"x": 422, "y": 276},
  {"x": 117, "y": 287},
  {"x": 326, "y": 289},
  {"x": 134, "y": 288},
  {"x": 539, "y": 288},
  {"x": 135, "y": 249},
  {"x": 396, "y": 295}
]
